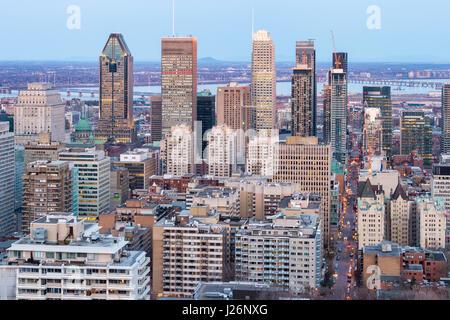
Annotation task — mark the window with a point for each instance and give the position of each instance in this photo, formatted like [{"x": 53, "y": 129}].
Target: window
[{"x": 50, "y": 255}]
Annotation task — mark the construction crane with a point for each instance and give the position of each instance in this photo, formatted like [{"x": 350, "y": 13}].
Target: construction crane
[{"x": 336, "y": 57}]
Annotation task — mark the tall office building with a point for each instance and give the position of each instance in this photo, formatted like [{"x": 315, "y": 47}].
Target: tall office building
[
  {"x": 206, "y": 113},
  {"x": 445, "y": 113},
  {"x": 178, "y": 82},
  {"x": 233, "y": 106},
  {"x": 93, "y": 180},
  {"x": 156, "y": 119},
  {"x": 302, "y": 102},
  {"x": 416, "y": 135},
  {"x": 338, "y": 113},
  {"x": 140, "y": 168},
  {"x": 7, "y": 180},
  {"x": 116, "y": 92},
  {"x": 39, "y": 109},
  {"x": 308, "y": 163},
  {"x": 380, "y": 97},
  {"x": 263, "y": 85},
  {"x": 47, "y": 188},
  {"x": 305, "y": 55}
]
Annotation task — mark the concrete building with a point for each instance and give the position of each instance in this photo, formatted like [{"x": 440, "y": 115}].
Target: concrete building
[
  {"x": 93, "y": 180},
  {"x": 64, "y": 258},
  {"x": 7, "y": 180},
  {"x": 223, "y": 200},
  {"x": 286, "y": 251},
  {"x": 400, "y": 212},
  {"x": 43, "y": 149},
  {"x": 338, "y": 113},
  {"x": 371, "y": 214},
  {"x": 119, "y": 186},
  {"x": 176, "y": 273},
  {"x": 39, "y": 109},
  {"x": 177, "y": 151},
  {"x": 233, "y": 106},
  {"x": 261, "y": 152},
  {"x": 140, "y": 167},
  {"x": 432, "y": 222},
  {"x": 445, "y": 112},
  {"x": 302, "y": 100},
  {"x": 47, "y": 188},
  {"x": 221, "y": 151},
  {"x": 178, "y": 82},
  {"x": 440, "y": 187},
  {"x": 263, "y": 81},
  {"x": 156, "y": 119},
  {"x": 308, "y": 163}
]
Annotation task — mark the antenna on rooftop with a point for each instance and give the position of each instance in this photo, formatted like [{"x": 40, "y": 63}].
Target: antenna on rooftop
[
  {"x": 173, "y": 18},
  {"x": 253, "y": 21}
]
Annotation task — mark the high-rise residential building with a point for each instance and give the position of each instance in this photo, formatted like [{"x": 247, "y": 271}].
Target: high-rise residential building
[
  {"x": 416, "y": 135},
  {"x": 7, "y": 180},
  {"x": 116, "y": 122},
  {"x": 338, "y": 113},
  {"x": 140, "y": 167},
  {"x": 47, "y": 188},
  {"x": 156, "y": 119},
  {"x": 177, "y": 151},
  {"x": 285, "y": 250},
  {"x": 371, "y": 214},
  {"x": 178, "y": 82},
  {"x": 432, "y": 222},
  {"x": 221, "y": 151},
  {"x": 380, "y": 97},
  {"x": 42, "y": 149},
  {"x": 400, "y": 213},
  {"x": 263, "y": 87},
  {"x": 445, "y": 113},
  {"x": 233, "y": 106},
  {"x": 326, "y": 114},
  {"x": 305, "y": 55},
  {"x": 93, "y": 180},
  {"x": 65, "y": 258},
  {"x": 306, "y": 162},
  {"x": 260, "y": 155},
  {"x": 302, "y": 103},
  {"x": 223, "y": 200},
  {"x": 176, "y": 273},
  {"x": 39, "y": 109},
  {"x": 18, "y": 186}
]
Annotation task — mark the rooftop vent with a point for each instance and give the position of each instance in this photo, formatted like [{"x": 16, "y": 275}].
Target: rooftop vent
[{"x": 40, "y": 235}]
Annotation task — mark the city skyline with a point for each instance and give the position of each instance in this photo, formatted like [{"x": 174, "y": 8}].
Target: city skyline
[{"x": 393, "y": 42}]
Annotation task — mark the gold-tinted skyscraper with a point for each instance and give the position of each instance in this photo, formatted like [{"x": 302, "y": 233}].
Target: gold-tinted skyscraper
[
  {"x": 178, "y": 82},
  {"x": 116, "y": 92},
  {"x": 263, "y": 81}
]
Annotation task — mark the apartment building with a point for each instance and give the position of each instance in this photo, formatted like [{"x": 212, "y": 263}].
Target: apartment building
[
  {"x": 47, "y": 187},
  {"x": 285, "y": 251},
  {"x": 221, "y": 151},
  {"x": 177, "y": 151},
  {"x": 432, "y": 222},
  {"x": 186, "y": 251},
  {"x": 42, "y": 149},
  {"x": 371, "y": 214},
  {"x": 64, "y": 258},
  {"x": 223, "y": 200}
]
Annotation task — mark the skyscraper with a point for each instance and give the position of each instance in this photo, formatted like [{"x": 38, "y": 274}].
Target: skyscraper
[
  {"x": 156, "y": 118},
  {"x": 206, "y": 112},
  {"x": 305, "y": 54},
  {"x": 233, "y": 104},
  {"x": 38, "y": 109},
  {"x": 116, "y": 92},
  {"x": 380, "y": 97},
  {"x": 338, "y": 113},
  {"x": 178, "y": 82},
  {"x": 303, "y": 124},
  {"x": 326, "y": 114},
  {"x": 7, "y": 180},
  {"x": 263, "y": 81},
  {"x": 445, "y": 138},
  {"x": 416, "y": 135},
  {"x": 340, "y": 61}
]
